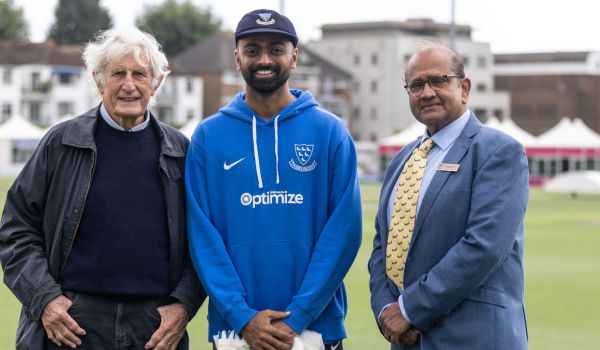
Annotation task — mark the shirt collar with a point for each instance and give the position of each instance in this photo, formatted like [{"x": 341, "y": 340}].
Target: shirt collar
[
  {"x": 445, "y": 137},
  {"x": 112, "y": 123}
]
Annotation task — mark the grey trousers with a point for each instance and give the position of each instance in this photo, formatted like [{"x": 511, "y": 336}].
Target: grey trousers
[{"x": 114, "y": 323}]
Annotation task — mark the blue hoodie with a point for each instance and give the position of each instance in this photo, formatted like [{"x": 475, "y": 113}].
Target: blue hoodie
[{"x": 274, "y": 216}]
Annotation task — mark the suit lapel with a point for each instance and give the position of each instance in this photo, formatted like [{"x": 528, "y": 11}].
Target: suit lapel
[{"x": 454, "y": 156}]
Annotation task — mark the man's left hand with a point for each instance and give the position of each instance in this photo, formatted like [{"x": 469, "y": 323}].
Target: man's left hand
[
  {"x": 173, "y": 320},
  {"x": 393, "y": 324}
]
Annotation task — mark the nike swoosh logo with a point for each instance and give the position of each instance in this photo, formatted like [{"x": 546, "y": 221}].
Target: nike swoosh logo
[
  {"x": 335, "y": 347},
  {"x": 229, "y": 166}
]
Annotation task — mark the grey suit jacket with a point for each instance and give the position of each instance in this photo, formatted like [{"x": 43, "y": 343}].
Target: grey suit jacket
[{"x": 464, "y": 272}]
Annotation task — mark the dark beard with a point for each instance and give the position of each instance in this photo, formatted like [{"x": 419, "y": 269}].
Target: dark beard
[{"x": 266, "y": 86}]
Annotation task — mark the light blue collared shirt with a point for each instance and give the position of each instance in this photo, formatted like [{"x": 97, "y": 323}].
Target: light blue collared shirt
[
  {"x": 443, "y": 141},
  {"x": 112, "y": 123}
]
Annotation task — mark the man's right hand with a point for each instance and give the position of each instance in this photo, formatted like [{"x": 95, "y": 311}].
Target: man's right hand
[
  {"x": 261, "y": 335},
  {"x": 60, "y": 327}
]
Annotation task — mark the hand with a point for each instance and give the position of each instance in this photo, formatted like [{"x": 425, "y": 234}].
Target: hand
[
  {"x": 410, "y": 337},
  {"x": 261, "y": 334},
  {"x": 173, "y": 320},
  {"x": 284, "y": 327},
  {"x": 393, "y": 324},
  {"x": 60, "y": 327}
]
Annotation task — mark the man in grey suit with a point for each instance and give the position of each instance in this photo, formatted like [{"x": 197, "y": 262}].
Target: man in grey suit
[{"x": 461, "y": 284}]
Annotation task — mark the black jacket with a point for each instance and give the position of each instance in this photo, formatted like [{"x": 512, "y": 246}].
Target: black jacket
[{"x": 43, "y": 210}]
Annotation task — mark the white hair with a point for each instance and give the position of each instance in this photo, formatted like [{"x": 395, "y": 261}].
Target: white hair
[{"x": 114, "y": 44}]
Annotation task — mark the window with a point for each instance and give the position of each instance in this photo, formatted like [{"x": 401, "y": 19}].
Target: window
[
  {"x": 373, "y": 137},
  {"x": 6, "y": 111},
  {"x": 189, "y": 86},
  {"x": 190, "y": 114},
  {"x": 34, "y": 112},
  {"x": 356, "y": 59},
  {"x": 36, "y": 83},
  {"x": 374, "y": 113},
  {"x": 481, "y": 62},
  {"x": 165, "y": 114},
  {"x": 65, "y": 108},
  {"x": 407, "y": 58},
  {"x": 465, "y": 60},
  {"x": 481, "y": 87},
  {"x": 20, "y": 156},
  {"x": 356, "y": 86},
  {"x": 7, "y": 76},
  {"x": 66, "y": 78},
  {"x": 356, "y": 113},
  {"x": 374, "y": 86},
  {"x": 374, "y": 59},
  {"x": 499, "y": 113},
  {"x": 481, "y": 113}
]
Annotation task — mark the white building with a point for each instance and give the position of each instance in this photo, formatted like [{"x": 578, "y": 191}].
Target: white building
[
  {"x": 44, "y": 81},
  {"x": 376, "y": 53},
  {"x": 547, "y": 86},
  {"x": 180, "y": 99}
]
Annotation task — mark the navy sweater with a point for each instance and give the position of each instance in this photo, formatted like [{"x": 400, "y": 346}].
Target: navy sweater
[{"x": 122, "y": 244}]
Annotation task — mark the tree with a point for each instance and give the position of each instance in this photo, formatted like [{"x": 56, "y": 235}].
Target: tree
[
  {"x": 178, "y": 26},
  {"x": 12, "y": 22},
  {"x": 77, "y": 21}
]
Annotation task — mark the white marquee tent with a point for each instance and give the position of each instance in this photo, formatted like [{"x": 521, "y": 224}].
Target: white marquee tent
[
  {"x": 509, "y": 127},
  {"x": 569, "y": 134},
  {"x": 18, "y": 139},
  {"x": 390, "y": 145},
  {"x": 569, "y": 146},
  {"x": 575, "y": 182}
]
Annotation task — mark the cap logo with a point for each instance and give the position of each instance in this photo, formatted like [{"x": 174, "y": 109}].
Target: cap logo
[{"x": 265, "y": 19}]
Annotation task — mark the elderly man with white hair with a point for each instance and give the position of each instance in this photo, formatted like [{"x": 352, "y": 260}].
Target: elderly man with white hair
[{"x": 93, "y": 233}]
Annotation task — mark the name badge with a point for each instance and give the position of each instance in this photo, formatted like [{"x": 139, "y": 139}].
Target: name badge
[{"x": 448, "y": 167}]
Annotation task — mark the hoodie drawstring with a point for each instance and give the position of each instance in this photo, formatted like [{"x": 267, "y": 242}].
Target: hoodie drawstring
[
  {"x": 277, "y": 149},
  {"x": 256, "y": 158}
]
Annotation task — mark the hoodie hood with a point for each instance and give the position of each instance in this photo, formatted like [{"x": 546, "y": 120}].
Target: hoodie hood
[{"x": 238, "y": 109}]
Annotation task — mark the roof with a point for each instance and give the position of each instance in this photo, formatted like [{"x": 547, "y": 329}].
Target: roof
[
  {"x": 404, "y": 137},
  {"x": 13, "y": 52},
  {"x": 569, "y": 134},
  {"x": 416, "y": 26},
  {"x": 509, "y": 127},
  {"x": 541, "y": 57},
  {"x": 213, "y": 54},
  {"x": 18, "y": 128},
  {"x": 309, "y": 57}
]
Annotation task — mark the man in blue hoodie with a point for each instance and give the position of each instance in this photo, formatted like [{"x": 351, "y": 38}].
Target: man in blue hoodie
[{"x": 273, "y": 201}]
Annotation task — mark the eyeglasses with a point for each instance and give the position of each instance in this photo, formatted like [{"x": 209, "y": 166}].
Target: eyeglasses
[{"x": 436, "y": 82}]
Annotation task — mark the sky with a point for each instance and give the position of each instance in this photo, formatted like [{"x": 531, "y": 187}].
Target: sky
[{"x": 507, "y": 25}]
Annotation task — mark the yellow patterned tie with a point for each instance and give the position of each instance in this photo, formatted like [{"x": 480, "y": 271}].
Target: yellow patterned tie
[{"x": 405, "y": 210}]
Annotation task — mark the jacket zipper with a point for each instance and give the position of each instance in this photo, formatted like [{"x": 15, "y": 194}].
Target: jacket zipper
[{"x": 81, "y": 210}]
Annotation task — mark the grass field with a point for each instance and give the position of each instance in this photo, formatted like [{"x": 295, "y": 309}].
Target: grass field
[{"x": 562, "y": 271}]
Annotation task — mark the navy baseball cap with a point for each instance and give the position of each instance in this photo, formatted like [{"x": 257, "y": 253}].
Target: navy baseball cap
[{"x": 265, "y": 21}]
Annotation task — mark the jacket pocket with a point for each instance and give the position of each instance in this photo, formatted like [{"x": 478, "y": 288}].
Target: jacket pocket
[{"x": 489, "y": 295}]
